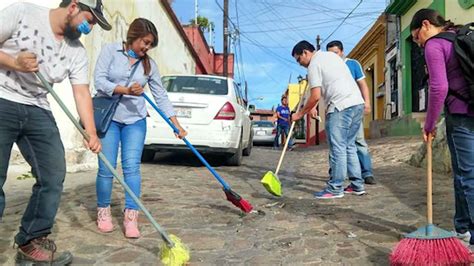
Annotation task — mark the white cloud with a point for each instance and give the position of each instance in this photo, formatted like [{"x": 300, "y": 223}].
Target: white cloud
[{"x": 258, "y": 69}]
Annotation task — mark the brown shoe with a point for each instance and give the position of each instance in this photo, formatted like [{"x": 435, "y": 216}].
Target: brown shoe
[{"x": 41, "y": 251}]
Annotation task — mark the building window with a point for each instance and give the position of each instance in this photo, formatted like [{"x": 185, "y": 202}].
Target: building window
[
  {"x": 393, "y": 88},
  {"x": 419, "y": 87}
]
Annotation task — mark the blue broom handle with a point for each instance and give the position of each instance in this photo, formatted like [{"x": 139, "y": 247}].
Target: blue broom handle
[
  {"x": 190, "y": 146},
  {"x": 102, "y": 157}
]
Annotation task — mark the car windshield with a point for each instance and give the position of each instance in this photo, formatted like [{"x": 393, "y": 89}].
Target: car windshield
[
  {"x": 262, "y": 124},
  {"x": 197, "y": 85}
]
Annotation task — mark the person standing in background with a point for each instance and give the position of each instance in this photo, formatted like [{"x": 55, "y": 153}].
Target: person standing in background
[{"x": 357, "y": 72}]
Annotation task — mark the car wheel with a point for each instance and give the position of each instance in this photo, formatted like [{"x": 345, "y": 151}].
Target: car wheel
[
  {"x": 248, "y": 150},
  {"x": 148, "y": 155},
  {"x": 236, "y": 158}
]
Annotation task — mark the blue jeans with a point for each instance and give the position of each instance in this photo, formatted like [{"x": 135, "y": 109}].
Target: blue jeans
[
  {"x": 35, "y": 132},
  {"x": 282, "y": 129},
  {"x": 363, "y": 153},
  {"x": 341, "y": 129},
  {"x": 131, "y": 139},
  {"x": 460, "y": 136}
]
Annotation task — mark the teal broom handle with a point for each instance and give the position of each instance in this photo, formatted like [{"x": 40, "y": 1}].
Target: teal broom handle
[{"x": 102, "y": 157}]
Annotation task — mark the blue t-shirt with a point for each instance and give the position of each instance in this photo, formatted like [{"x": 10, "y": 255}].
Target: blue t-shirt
[
  {"x": 283, "y": 111},
  {"x": 355, "y": 68}
]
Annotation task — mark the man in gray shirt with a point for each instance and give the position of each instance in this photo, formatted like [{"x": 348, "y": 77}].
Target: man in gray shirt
[
  {"x": 329, "y": 77},
  {"x": 37, "y": 39}
]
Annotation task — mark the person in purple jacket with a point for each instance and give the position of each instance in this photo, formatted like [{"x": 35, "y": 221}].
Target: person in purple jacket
[{"x": 445, "y": 76}]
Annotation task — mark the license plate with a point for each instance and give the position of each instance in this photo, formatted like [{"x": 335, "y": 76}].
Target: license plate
[
  {"x": 260, "y": 133},
  {"x": 183, "y": 112}
]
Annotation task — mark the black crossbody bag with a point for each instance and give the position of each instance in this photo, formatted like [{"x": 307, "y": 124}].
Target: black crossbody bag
[{"x": 105, "y": 107}]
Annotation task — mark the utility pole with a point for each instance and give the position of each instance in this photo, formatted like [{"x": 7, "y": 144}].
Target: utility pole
[
  {"x": 318, "y": 47},
  {"x": 195, "y": 12},
  {"x": 318, "y": 42},
  {"x": 226, "y": 36},
  {"x": 246, "y": 91},
  {"x": 211, "y": 41}
]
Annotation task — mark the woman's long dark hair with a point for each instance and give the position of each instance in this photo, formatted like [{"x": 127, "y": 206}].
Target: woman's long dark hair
[
  {"x": 140, "y": 28},
  {"x": 434, "y": 17}
]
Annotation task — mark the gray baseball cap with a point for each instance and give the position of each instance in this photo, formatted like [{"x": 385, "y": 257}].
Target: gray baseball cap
[{"x": 96, "y": 8}]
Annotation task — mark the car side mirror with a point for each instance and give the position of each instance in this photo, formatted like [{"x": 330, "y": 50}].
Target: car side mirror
[{"x": 251, "y": 108}]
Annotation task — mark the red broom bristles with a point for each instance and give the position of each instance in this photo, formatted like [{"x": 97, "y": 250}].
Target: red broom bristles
[
  {"x": 445, "y": 251},
  {"x": 238, "y": 201}
]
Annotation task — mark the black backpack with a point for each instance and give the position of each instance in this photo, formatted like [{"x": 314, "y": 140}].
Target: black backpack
[{"x": 464, "y": 48}]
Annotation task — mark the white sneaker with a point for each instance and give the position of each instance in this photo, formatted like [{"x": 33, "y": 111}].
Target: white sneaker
[{"x": 464, "y": 236}]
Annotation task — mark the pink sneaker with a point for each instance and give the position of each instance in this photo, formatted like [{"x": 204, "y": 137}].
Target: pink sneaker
[
  {"x": 104, "y": 220},
  {"x": 130, "y": 222}
]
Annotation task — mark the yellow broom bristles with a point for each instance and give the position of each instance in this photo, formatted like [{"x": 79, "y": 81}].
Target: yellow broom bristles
[{"x": 175, "y": 256}]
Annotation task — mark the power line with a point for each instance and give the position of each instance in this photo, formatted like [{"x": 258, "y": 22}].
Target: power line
[
  {"x": 303, "y": 18},
  {"x": 222, "y": 9},
  {"x": 266, "y": 46},
  {"x": 342, "y": 22},
  {"x": 269, "y": 36},
  {"x": 237, "y": 28},
  {"x": 237, "y": 62},
  {"x": 264, "y": 69},
  {"x": 282, "y": 19},
  {"x": 239, "y": 43},
  {"x": 265, "y": 49}
]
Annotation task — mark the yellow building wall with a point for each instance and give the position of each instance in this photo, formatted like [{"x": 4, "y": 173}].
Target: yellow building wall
[
  {"x": 380, "y": 85},
  {"x": 370, "y": 62},
  {"x": 370, "y": 52},
  {"x": 294, "y": 93}
]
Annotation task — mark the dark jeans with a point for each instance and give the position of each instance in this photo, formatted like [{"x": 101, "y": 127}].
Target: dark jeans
[
  {"x": 35, "y": 132},
  {"x": 460, "y": 136},
  {"x": 282, "y": 129}
]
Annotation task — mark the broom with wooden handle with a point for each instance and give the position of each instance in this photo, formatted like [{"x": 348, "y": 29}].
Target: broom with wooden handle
[
  {"x": 270, "y": 180},
  {"x": 173, "y": 251},
  {"x": 430, "y": 245}
]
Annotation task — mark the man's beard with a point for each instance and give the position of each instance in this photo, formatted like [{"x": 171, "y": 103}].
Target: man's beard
[{"x": 71, "y": 33}]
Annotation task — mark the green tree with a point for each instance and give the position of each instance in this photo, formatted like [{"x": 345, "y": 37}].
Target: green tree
[{"x": 203, "y": 22}]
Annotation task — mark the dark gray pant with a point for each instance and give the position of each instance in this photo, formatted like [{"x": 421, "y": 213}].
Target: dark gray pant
[{"x": 35, "y": 132}]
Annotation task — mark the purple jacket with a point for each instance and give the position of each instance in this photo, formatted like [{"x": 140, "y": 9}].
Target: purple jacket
[{"x": 444, "y": 72}]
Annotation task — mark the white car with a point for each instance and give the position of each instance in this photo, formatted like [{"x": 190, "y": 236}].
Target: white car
[
  {"x": 213, "y": 112},
  {"x": 264, "y": 132}
]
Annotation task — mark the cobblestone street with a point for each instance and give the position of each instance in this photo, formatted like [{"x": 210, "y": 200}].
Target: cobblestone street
[{"x": 296, "y": 229}]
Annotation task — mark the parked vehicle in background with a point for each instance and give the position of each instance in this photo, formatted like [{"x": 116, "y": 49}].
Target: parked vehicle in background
[
  {"x": 264, "y": 132},
  {"x": 212, "y": 110}
]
